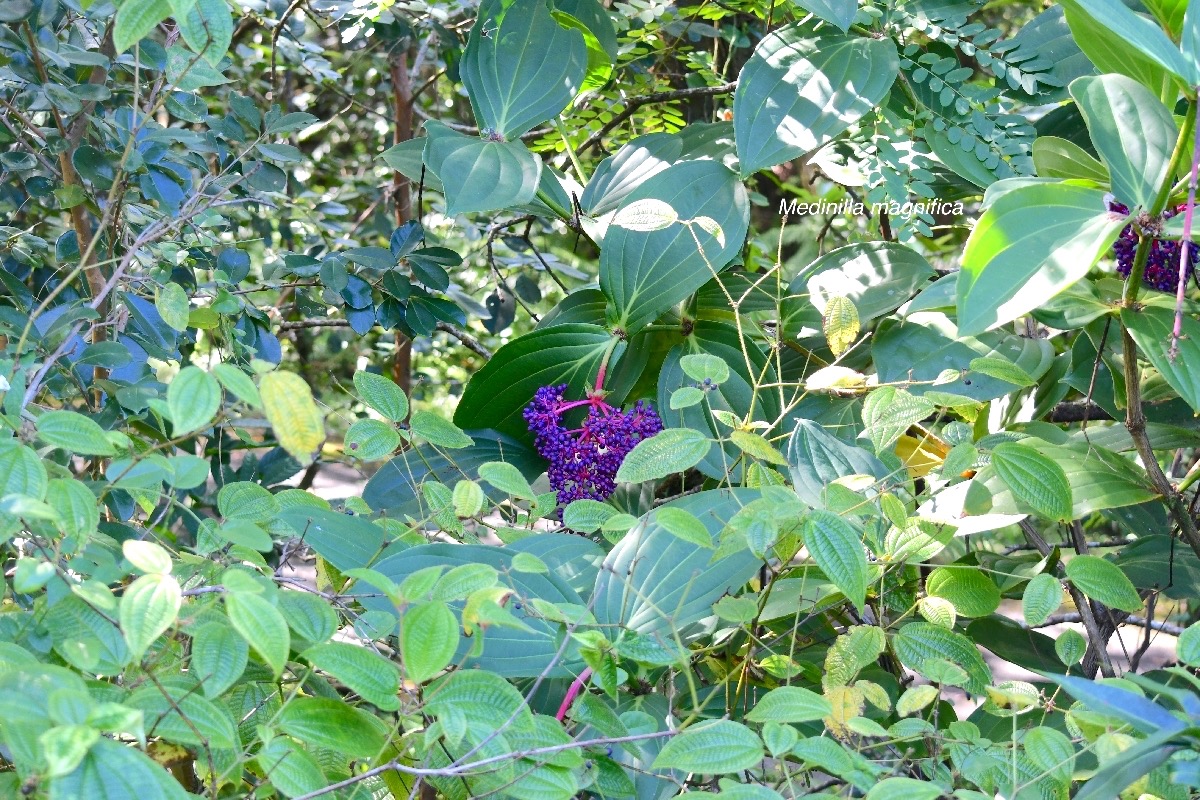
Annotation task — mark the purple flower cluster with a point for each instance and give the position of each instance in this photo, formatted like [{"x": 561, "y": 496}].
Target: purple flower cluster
[
  {"x": 584, "y": 461},
  {"x": 1162, "y": 266}
]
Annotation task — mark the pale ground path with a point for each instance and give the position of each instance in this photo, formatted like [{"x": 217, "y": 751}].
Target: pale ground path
[{"x": 338, "y": 481}]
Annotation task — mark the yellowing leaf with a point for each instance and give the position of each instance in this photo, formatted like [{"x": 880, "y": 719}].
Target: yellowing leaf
[
  {"x": 920, "y": 456},
  {"x": 293, "y": 414},
  {"x": 840, "y": 324}
]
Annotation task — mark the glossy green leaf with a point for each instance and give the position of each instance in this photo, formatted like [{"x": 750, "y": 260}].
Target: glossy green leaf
[
  {"x": 837, "y": 549},
  {"x": 1031, "y": 243},
  {"x": 1142, "y": 34},
  {"x": 920, "y": 642},
  {"x": 193, "y": 398},
  {"x": 1104, "y": 582},
  {"x": 888, "y": 413},
  {"x": 115, "y": 771},
  {"x": 172, "y": 303},
  {"x": 371, "y": 440},
  {"x": 1133, "y": 132},
  {"x": 438, "y": 431},
  {"x": 970, "y": 590},
  {"x": 366, "y": 673},
  {"x": 800, "y": 90},
  {"x": 645, "y": 272},
  {"x": 342, "y": 540},
  {"x": 1060, "y": 158},
  {"x": 480, "y": 175},
  {"x": 790, "y": 704},
  {"x": 904, "y": 789},
  {"x": 207, "y": 28},
  {"x": 712, "y": 748},
  {"x": 1151, "y": 328},
  {"x": 520, "y": 67},
  {"x": 136, "y": 19}
]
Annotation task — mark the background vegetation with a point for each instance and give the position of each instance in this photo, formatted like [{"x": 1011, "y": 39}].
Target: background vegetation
[{"x": 909, "y": 286}]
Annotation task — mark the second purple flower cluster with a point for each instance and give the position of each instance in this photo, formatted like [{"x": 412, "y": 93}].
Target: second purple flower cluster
[
  {"x": 1162, "y": 265},
  {"x": 584, "y": 460}
]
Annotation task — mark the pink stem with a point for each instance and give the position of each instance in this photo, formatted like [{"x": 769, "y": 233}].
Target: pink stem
[
  {"x": 1184, "y": 248},
  {"x": 572, "y": 693}
]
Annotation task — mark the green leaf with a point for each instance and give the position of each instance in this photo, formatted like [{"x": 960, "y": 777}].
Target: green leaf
[
  {"x": 238, "y": 383},
  {"x": 136, "y": 19},
  {"x": 1070, "y": 646},
  {"x": 74, "y": 432},
  {"x": 246, "y": 534},
  {"x": 65, "y": 747},
  {"x": 1031, "y": 244},
  {"x": 322, "y": 722},
  {"x": 1133, "y": 132},
  {"x": 1151, "y": 328},
  {"x": 840, "y": 324},
  {"x": 78, "y": 511},
  {"x": 247, "y": 501},
  {"x": 290, "y": 768},
  {"x": 500, "y": 390},
  {"x": 298, "y": 424},
  {"x": 1138, "y": 32},
  {"x": 115, "y": 771},
  {"x": 919, "y": 643},
  {"x": 507, "y": 479},
  {"x": 839, "y": 13},
  {"x": 469, "y": 499},
  {"x": 192, "y": 399},
  {"x": 1110, "y": 52},
  {"x": 429, "y": 635},
  {"x": 1050, "y": 751},
  {"x": 1042, "y": 597},
  {"x": 208, "y": 29},
  {"x": 21, "y": 471},
  {"x": 480, "y": 175},
  {"x": 1061, "y": 158},
  {"x": 486, "y": 701},
  {"x": 371, "y": 440},
  {"x": 219, "y": 657},
  {"x": 790, "y": 704},
  {"x": 368, "y": 674},
  {"x": 171, "y": 302},
  {"x": 586, "y": 516},
  {"x": 837, "y": 549},
  {"x": 653, "y": 582},
  {"x": 520, "y": 67},
  {"x": 666, "y": 453},
  {"x": 799, "y": 91},
  {"x": 1035, "y": 480},
  {"x": 178, "y": 714},
  {"x": 1001, "y": 369},
  {"x": 146, "y": 556},
  {"x": 1104, "y": 582},
  {"x": 684, "y": 525},
  {"x": 345, "y": 542},
  {"x": 703, "y": 366},
  {"x": 148, "y": 608},
  {"x": 645, "y": 272},
  {"x": 382, "y": 395},
  {"x": 904, "y": 789},
  {"x": 438, "y": 431},
  {"x": 262, "y": 626},
  {"x": 888, "y": 413},
  {"x": 971, "y": 591},
  {"x": 817, "y": 459},
  {"x": 712, "y": 748},
  {"x": 308, "y": 615}
]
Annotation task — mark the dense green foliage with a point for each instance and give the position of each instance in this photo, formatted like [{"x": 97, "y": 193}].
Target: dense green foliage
[{"x": 901, "y": 280}]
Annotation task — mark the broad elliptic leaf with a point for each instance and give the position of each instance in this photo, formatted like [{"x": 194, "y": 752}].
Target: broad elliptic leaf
[
  {"x": 381, "y": 394},
  {"x": 1104, "y": 582},
  {"x": 298, "y": 423},
  {"x": 1031, "y": 243},
  {"x": 1151, "y": 328},
  {"x": 917, "y": 643},
  {"x": 324, "y": 722},
  {"x": 193, "y": 397},
  {"x": 1133, "y": 132},
  {"x": 500, "y": 390},
  {"x": 521, "y": 67},
  {"x": 969, "y": 589},
  {"x": 655, "y": 583},
  {"x": 839, "y": 13},
  {"x": 712, "y": 748},
  {"x": 1141, "y": 33},
  {"x": 290, "y": 768},
  {"x": 621, "y": 173},
  {"x": 480, "y": 175},
  {"x": 371, "y": 440},
  {"x": 1034, "y": 479},
  {"x": 904, "y": 789},
  {"x": 800, "y": 90},
  {"x": 207, "y": 28},
  {"x": 1042, "y": 597},
  {"x": 344, "y": 541},
  {"x": 645, "y": 272},
  {"x": 115, "y": 771},
  {"x": 429, "y": 636},
  {"x": 888, "y": 412},
  {"x": 1060, "y": 158},
  {"x": 817, "y": 458},
  {"x": 837, "y": 549},
  {"x": 667, "y": 453},
  {"x": 368, "y": 674},
  {"x": 1109, "y": 52},
  {"x": 219, "y": 657}
]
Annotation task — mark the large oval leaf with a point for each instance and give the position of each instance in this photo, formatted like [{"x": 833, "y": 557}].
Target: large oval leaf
[
  {"x": 645, "y": 272},
  {"x": 838, "y": 550},
  {"x": 1031, "y": 243},
  {"x": 653, "y": 582},
  {"x": 480, "y": 175},
  {"x": 520, "y": 67},
  {"x": 1151, "y": 328},
  {"x": 798, "y": 91},
  {"x": 712, "y": 748}
]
